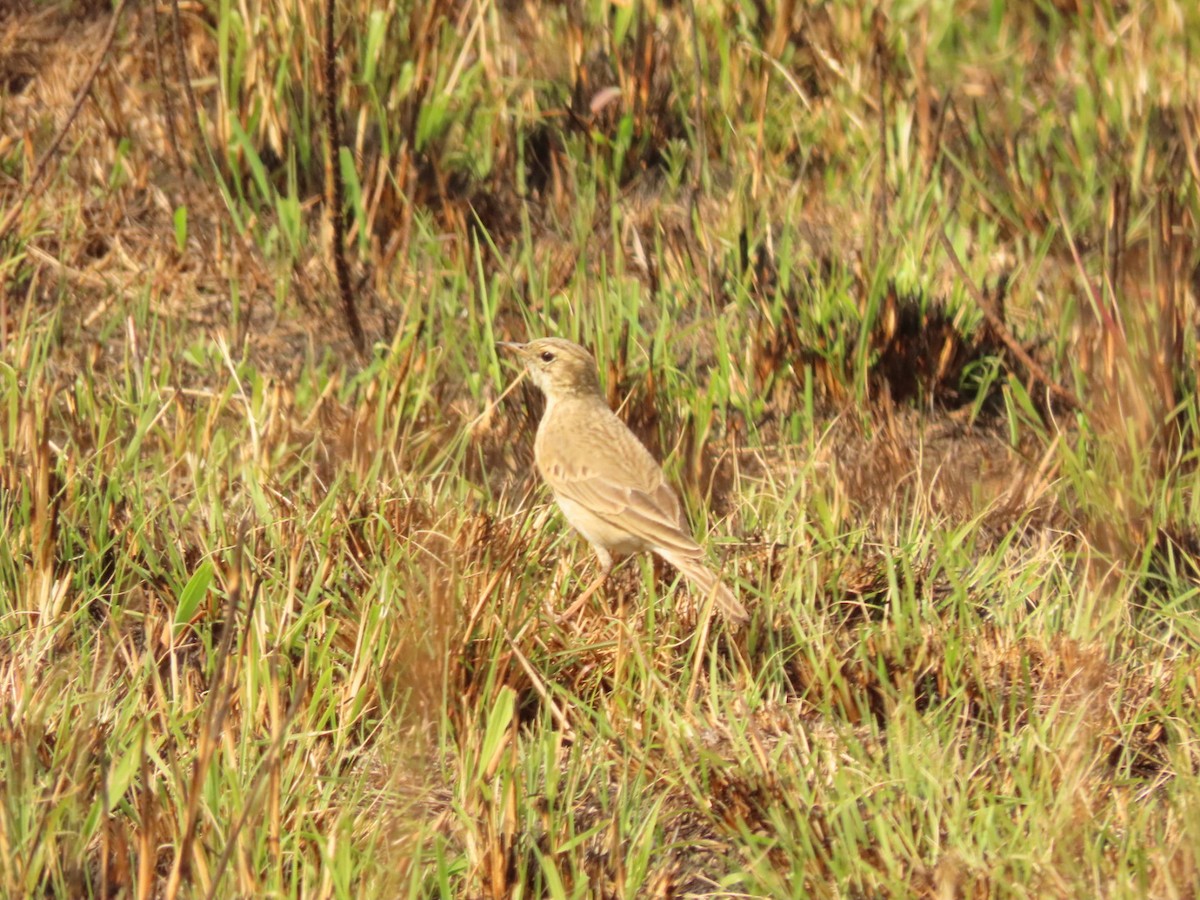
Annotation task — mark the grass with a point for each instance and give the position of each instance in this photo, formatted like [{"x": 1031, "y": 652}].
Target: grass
[{"x": 278, "y": 619}]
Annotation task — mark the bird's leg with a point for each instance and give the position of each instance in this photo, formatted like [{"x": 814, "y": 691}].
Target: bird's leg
[{"x": 606, "y": 564}]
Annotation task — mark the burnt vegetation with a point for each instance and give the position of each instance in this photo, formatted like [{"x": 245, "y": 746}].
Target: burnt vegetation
[{"x": 906, "y": 299}]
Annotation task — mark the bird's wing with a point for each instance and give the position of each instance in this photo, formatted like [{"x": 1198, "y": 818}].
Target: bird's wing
[
  {"x": 652, "y": 517},
  {"x": 620, "y": 482}
]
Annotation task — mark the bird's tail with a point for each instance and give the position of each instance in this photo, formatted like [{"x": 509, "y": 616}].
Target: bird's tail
[{"x": 709, "y": 584}]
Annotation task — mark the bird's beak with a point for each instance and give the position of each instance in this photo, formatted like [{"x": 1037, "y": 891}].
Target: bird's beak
[{"x": 522, "y": 362}]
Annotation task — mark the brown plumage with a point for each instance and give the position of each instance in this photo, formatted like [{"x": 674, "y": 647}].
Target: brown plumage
[{"x": 607, "y": 484}]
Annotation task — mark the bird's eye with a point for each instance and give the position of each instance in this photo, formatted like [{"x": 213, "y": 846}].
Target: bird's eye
[{"x": 547, "y": 356}]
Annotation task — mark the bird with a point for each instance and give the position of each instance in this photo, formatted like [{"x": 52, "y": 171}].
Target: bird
[{"x": 607, "y": 484}]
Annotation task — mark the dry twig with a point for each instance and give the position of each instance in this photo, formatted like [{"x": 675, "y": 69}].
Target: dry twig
[
  {"x": 337, "y": 191},
  {"x": 1002, "y": 332}
]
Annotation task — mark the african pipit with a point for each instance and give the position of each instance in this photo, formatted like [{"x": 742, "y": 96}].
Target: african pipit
[{"x": 605, "y": 481}]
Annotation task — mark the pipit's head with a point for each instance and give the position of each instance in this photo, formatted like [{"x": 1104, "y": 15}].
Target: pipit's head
[{"x": 560, "y": 368}]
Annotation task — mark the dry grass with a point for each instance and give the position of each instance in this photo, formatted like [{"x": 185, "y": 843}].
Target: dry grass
[{"x": 278, "y": 619}]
